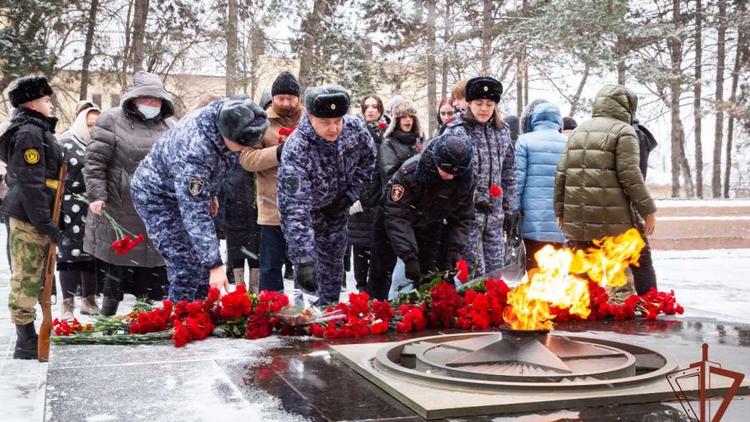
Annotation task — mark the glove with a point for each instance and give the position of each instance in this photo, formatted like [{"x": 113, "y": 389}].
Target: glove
[
  {"x": 278, "y": 152},
  {"x": 56, "y": 237},
  {"x": 451, "y": 258},
  {"x": 305, "y": 277},
  {"x": 482, "y": 205},
  {"x": 336, "y": 208},
  {"x": 413, "y": 271},
  {"x": 356, "y": 208},
  {"x": 509, "y": 221}
]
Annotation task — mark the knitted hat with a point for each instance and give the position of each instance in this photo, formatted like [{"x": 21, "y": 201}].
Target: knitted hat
[
  {"x": 243, "y": 122},
  {"x": 484, "y": 88},
  {"x": 452, "y": 154},
  {"x": 28, "y": 88},
  {"x": 327, "y": 101},
  {"x": 286, "y": 84}
]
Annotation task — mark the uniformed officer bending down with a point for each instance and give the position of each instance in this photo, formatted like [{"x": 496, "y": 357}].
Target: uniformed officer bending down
[
  {"x": 174, "y": 190},
  {"x": 325, "y": 165},
  {"x": 438, "y": 184}
]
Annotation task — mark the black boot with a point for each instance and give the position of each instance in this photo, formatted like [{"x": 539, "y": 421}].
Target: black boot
[
  {"x": 109, "y": 306},
  {"x": 26, "y": 344}
]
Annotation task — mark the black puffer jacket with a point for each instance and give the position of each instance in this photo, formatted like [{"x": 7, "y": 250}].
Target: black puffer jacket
[
  {"x": 241, "y": 211},
  {"x": 360, "y": 224},
  {"x": 417, "y": 197},
  {"x": 34, "y": 157}
]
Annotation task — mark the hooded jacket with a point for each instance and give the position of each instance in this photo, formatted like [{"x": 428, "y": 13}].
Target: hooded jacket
[
  {"x": 598, "y": 181},
  {"x": 538, "y": 151},
  {"x": 120, "y": 140}
]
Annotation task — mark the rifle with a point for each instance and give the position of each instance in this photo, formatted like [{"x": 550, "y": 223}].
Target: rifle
[{"x": 49, "y": 273}]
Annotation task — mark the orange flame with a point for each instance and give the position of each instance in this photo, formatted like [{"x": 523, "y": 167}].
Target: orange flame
[{"x": 562, "y": 280}]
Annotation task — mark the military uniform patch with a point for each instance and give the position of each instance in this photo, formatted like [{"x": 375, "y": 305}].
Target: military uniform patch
[
  {"x": 31, "y": 156},
  {"x": 196, "y": 186},
  {"x": 397, "y": 192},
  {"x": 292, "y": 185}
]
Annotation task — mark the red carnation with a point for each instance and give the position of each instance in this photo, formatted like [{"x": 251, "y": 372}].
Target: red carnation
[
  {"x": 495, "y": 190},
  {"x": 463, "y": 270},
  {"x": 382, "y": 124}
]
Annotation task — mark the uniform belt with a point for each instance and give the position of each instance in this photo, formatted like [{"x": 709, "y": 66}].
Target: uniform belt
[{"x": 51, "y": 183}]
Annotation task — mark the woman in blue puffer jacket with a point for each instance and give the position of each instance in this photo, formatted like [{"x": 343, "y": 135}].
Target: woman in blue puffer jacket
[{"x": 537, "y": 152}]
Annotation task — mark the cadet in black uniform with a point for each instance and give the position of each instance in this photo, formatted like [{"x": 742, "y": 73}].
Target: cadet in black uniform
[
  {"x": 435, "y": 185},
  {"x": 34, "y": 158}
]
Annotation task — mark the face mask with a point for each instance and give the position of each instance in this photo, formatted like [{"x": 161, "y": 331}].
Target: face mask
[{"x": 149, "y": 112}]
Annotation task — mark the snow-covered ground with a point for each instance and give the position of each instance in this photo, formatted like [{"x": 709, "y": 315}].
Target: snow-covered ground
[{"x": 710, "y": 284}]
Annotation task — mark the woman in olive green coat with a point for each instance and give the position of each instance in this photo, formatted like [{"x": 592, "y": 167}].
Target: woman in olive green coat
[{"x": 599, "y": 188}]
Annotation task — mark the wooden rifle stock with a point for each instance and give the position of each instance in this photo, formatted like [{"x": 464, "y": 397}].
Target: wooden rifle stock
[{"x": 49, "y": 273}]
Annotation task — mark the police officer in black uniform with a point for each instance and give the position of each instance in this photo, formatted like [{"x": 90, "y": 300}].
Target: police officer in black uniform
[{"x": 435, "y": 185}]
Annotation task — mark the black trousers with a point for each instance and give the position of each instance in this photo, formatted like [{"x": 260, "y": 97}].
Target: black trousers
[
  {"x": 644, "y": 275},
  {"x": 145, "y": 282},
  {"x": 361, "y": 266},
  {"x": 384, "y": 258}
]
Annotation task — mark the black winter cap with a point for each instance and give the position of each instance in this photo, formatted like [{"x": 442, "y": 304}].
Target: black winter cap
[
  {"x": 285, "y": 84},
  {"x": 327, "y": 101},
  {"x": 452, "y": 154},
  {"x": 243, "y": 122},
  {"x": 28, "y": 88},
  {"x": 484, "y": 88}
]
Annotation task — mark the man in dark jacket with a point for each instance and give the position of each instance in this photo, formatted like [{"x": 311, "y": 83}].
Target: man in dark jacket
[
  {"x": 644, "y": 276},
  {"x": 435, "y": 185},
  {"x": 34, "y": 157}
]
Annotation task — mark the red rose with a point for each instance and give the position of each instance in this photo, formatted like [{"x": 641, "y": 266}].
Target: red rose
[{"x": 382, "y": 125}]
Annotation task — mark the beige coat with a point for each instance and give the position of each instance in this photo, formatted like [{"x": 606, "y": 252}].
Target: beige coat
[{"x": 263, "y": 163}]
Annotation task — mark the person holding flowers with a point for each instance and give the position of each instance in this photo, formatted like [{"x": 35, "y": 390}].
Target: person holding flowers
[
  {"x": 121, "y": 138},
  {"x": 174, "y": 190}
]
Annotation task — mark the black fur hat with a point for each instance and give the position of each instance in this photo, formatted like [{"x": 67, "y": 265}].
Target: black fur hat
[
  {"x": 452, "y": 154},
  {"x": 484, "y": 88},
  {"x": 286, "y": 84},
  {"x": 327, "y": 101},
  {"x": 243, "y": 122},
  {"x": 28, "y": 88}
]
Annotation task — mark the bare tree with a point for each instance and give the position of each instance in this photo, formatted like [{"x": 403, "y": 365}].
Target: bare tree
[
  {"x": 140, "y": 16},
  {"x": 231, "y": 38},
  {"x": 310, "y": 32},
  {"x": 86, "y": 62},
  {"x": 719, "y": 132},
  {"x": 697, "y": 112},
  {"x": 431, "y": 65},
  {"x": 738, "y": 60},
  {"x": 487, "y": 29}
]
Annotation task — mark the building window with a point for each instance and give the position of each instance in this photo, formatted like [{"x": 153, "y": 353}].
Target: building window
[{"x": 114, "y": 100}]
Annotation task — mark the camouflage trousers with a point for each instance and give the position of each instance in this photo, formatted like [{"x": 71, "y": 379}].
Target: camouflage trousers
[
  {"x": 28, "y": 250},
  {"x": 485, "y": 249}
]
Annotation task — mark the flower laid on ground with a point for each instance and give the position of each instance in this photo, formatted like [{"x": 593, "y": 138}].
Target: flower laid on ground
[
  {"x": 495, "y": 190},
  {"x": 476, "y": 306}
]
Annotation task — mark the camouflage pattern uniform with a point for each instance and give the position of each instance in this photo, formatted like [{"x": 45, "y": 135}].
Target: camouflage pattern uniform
[
  {"x": 313, "y": 174},
  {"x": 34, "y": 157},
  {"x": 171, "y": 191},
  {"x": 493, "y": 163}
]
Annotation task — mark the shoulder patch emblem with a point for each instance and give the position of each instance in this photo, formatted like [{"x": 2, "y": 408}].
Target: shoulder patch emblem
[
  {"x": 31, "y": 156},
  {"x": 196, "y": 186},
  {"x": 291, "y": 184},
  {"x": 397, "y": 192}
]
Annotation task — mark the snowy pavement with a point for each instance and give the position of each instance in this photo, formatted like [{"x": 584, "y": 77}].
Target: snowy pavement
[{"x": 712, "y": 285}]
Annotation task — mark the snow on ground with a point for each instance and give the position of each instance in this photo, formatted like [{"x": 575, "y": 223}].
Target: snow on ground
[
  {"x": 709, "y": 284},
  {"x": 701, "y": 203}
]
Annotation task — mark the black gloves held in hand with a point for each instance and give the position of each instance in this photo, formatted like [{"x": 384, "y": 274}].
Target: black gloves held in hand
[
  {"x": 337, "y": 208},
  {"x": 510, "y": 221},
  {"x": 278, "y": 152},
  {"x": 305, "y": 275},
  {"x": 412, "y": 270},
  {"x": 482, "y": 205}
]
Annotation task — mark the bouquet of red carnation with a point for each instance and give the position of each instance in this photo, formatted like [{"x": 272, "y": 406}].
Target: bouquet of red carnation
[
  {"x": 125, "y": 241},
  {"x": 284, "y": 133}
]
